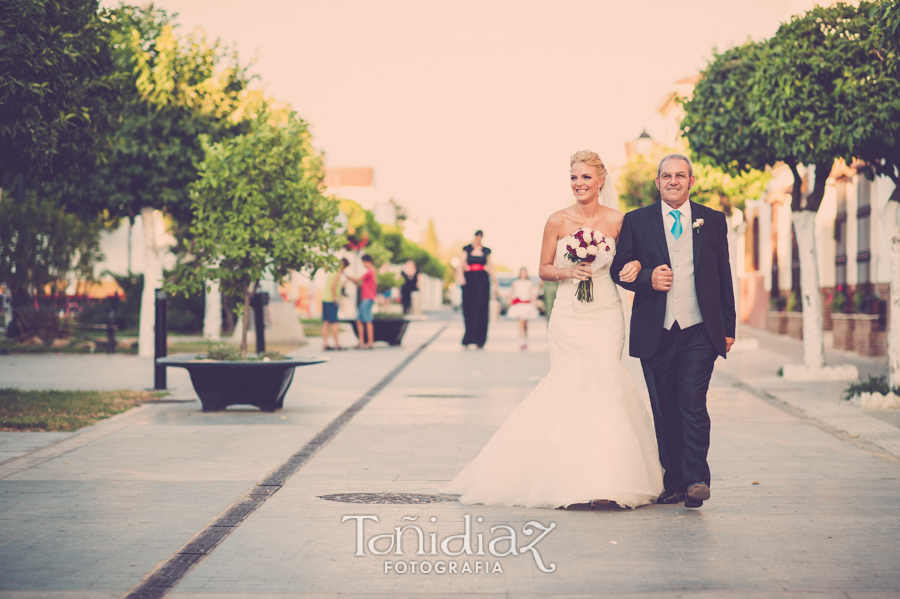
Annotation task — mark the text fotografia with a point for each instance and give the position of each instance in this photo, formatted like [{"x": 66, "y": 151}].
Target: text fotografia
[{"x": 504, "y": 542}]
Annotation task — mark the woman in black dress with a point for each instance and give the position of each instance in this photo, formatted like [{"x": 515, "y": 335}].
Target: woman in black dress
[
  {"x": 474, "y": 275},
  {"x": 410, "y": 283}
]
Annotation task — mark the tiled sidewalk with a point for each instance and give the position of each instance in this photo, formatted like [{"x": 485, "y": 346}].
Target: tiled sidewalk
[{"x": 822, "y": 521}]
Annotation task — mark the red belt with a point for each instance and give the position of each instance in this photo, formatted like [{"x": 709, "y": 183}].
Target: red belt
[
  {"x": 475, "y": 267},
  {"x": 516, "y": 300}
]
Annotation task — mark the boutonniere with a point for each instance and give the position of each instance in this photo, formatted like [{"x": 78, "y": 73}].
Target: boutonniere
[{"x": 697, "y": 224}]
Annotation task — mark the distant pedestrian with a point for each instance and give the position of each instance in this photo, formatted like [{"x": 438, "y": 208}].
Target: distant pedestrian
[
  {"x": 474, "y": 275},
  {"x": 522, "y": 305},
  {"x": 368, "y": 286},
  {"x": 410, "y": 276},
  {"x": 334, "y": 287}
]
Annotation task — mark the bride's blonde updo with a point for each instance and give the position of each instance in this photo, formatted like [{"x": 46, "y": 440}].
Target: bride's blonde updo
[{"x": 590, "y": 159}]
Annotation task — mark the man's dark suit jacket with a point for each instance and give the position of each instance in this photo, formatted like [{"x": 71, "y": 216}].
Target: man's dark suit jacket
[{"x": 643, "y": 238}]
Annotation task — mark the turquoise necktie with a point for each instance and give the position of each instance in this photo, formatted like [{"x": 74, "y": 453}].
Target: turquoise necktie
[{"x": 676, "y": 227}]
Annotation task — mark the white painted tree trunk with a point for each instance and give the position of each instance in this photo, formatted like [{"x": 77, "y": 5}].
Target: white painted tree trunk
[
  {"x": 892, "y": 228},
  {"x": 811, "y": 297},
  {"x": 152, "y": 280},
  {"x": 212, "y": 312}
]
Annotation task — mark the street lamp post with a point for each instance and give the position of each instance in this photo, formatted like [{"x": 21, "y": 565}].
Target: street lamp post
[{"x": 644, "y": 144}]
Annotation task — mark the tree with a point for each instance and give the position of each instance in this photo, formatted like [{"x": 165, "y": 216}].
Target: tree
[
  {"x": 636, "y": 183},
  {"x": 874, "y": 93},
  {"x": 40, "y": 244},
  {"x": 55, "y": 85},
  {"x": 176, "y": 89},
  {"x": 714, "y": 187},
  {"x": 760, "y": 104},
  {"x": 258, "y": 210}
]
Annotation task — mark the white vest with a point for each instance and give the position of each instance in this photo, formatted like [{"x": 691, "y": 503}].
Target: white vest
[{"x": 681, "y": 299}]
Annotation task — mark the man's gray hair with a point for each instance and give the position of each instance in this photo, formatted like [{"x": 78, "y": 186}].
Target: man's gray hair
[{"x": 672, "y": 157}]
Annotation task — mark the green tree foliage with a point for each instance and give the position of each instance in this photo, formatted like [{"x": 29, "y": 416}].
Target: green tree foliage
[
  {"x": 386, "y": 243},
  {"x": 55, "y": 85},
  {"x": 797, "y": 93},
  {"x": 723, "y": 191},
  {"x": 636, "y": 183},
  {"x": 174, "y": 90},
  {"x": 258, "y": 210},
  {"x": 40, "y": 244},
  {"x": 874, "y": 92},
  {"x": 714, "y": 187},
  {"x": 719, "y": 122}
]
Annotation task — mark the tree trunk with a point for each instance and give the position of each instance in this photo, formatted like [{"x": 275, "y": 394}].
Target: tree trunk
[
  {"x": 152, "y": 280},
  {"x": 245, "y": 323},
  {"x": 212, "y": 312},
  {"x": 892, "y": 228},
  {"x": 736, "y": 228},
  {"x": 811, "y": 297}
]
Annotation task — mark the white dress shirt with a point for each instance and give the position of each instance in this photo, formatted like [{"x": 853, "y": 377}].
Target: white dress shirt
[{"x": 681, "y": 299}]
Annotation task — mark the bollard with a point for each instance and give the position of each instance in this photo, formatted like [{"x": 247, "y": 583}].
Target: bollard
[
  {"x": 160, "y": 334},
  {"x": 259, "y": 301},
  {"x": 111, "y": 332}
]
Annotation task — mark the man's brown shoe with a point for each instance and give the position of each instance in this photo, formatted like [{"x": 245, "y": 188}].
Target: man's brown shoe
[{"x": 698, "y": 491}]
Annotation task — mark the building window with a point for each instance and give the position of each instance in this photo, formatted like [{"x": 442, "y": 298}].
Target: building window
[
  {"x": 840, "y": 235},
  {"x": 863, "y": 231}
]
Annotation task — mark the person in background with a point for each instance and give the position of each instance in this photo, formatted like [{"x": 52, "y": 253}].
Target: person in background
[
  {"x": 330, "y": 298},
  {"x": 410, "y": 276},
  {"x": 368, "y": 286},
  {"x": 474, "y": 275},
  {"x": 522, "y": 305}
]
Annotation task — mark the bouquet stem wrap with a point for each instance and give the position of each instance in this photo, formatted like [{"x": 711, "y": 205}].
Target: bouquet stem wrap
[{"x": 585, "y": 291}]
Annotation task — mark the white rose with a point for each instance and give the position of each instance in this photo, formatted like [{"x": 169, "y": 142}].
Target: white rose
[
  {"x": 581, "y": 252},
  {"x": 592, "y": 250}
]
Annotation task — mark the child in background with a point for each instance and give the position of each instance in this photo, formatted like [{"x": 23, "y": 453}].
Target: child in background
[
  {"x": 333, "y": 289},
  {"x": 368, "y": 285},
  {"x": 522, "y": 305}
]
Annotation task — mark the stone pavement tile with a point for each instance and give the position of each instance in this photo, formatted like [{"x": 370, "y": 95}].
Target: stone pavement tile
[
  {"x": 67, "y": 536},
  {"x": 100, "y": 512},
  {"x": 59, "y": 595},
  {"x": 91, "y": 372},
  {"x": 755, "y": 540},
  {"x": 821, "y": 401},
  {"x": 13, "y": 444}
]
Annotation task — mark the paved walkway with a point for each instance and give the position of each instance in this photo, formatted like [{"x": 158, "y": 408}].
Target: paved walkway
[{"x": 93, "y": 514}]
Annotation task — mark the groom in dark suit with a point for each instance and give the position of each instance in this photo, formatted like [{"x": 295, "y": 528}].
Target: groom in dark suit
[{"x": 682, "y": 319}]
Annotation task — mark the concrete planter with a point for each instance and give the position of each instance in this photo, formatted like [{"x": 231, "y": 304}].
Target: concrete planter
[
  {"x": 776, "y": 322},
  {"x": 390, "y": 330},
  {"x": 222, "y": 383},
  {"x": 860, "y": 333},
  {"x": 868, "y": 338},
  {"x": 877, "y": 401},
  {"x": 842, "y": 327},
  {"x": 794, "y": 324}
]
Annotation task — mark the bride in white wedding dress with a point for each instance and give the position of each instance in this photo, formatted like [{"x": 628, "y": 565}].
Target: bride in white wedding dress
[{"x": 583, "y": 434}]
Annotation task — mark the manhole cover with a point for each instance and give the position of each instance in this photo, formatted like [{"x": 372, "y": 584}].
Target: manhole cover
[
  {"x": 441, "y": 396},
  {"x": 386, "y": 498}
]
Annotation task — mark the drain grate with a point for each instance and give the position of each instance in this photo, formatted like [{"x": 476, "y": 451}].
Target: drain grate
[{"x": 398, "y": 498}]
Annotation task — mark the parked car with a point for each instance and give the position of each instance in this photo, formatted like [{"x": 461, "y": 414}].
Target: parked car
[{"x": 505, "y": 292}]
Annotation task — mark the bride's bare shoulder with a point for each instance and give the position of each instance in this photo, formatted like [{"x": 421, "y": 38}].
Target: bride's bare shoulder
[{"x": 556, "y": 220}]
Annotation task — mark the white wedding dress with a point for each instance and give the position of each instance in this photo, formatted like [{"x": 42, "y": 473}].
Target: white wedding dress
[{"x": 583, "y": 433}]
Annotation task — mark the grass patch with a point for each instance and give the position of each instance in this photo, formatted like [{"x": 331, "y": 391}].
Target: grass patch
[
  {"x": 63, "y": 410},
  {"x": 80, "y": 347}
]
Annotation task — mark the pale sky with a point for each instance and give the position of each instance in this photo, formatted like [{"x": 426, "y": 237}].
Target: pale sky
[{"x": 469, "y": 110}]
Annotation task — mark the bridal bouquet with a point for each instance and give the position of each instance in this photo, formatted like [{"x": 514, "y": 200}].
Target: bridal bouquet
[{"x": 587, "y": 245}]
